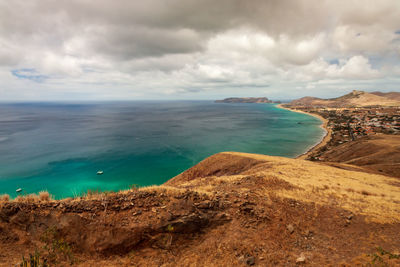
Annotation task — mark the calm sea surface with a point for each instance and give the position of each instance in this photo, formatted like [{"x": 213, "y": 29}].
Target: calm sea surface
[{"x": 60, "y": 147}]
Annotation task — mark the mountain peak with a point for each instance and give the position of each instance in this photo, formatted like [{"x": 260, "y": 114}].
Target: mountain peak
[{"x": 356, "y": 92}]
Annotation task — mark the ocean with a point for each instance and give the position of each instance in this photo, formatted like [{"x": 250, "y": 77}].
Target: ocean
[{"x": 59, "y": 147}]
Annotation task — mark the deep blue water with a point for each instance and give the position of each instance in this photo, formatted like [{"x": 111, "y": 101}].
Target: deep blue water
[{"x": 60, "y": 147}]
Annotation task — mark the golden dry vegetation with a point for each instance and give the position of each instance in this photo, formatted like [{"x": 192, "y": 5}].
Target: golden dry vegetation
[{"x": 372, "y": 195}]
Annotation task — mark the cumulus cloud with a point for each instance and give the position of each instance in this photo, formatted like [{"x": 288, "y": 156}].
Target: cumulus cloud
[
  {"x": 355, "y": 68},
  {"x": 196, "y": 48}
]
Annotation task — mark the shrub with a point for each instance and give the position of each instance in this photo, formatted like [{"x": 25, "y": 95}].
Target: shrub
[
  {"x": 4, "y": 198},
  {"x": 44, "y": 196},
  {"x": 35, "y": 260},
  {"x": 19, "y": 199},
  {"x": 31, "y": 198},
  {"x": 57, "y": 248},
  {"x": 382, "y": 257},
  {"x": 134, "y": 187},
  {"x": 92, "y": 193}
]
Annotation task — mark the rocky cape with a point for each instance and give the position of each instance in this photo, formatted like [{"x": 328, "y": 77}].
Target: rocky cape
[{"x": 247, "y": 100}]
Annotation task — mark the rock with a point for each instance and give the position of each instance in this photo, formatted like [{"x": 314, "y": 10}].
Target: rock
[
  {"x": 203, "y": 205},
  {"x": 290, "y": 228},
  {"x": 250, "y": 260},
  {"x": 308, "y": 233},
  {"x": 187, "y": 224},
  {"x": 349, "y": 217},
  {"x": 222, "y": 218},
  {"x": 111, "y": 241},
  {"x": 301, "y": 259},
  {"x": 247, "y": 209},
  {"x": 9, "y": 210},
  {"x": 8, "y": 236}
]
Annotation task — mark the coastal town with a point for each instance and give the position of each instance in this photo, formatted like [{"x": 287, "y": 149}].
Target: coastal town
[{"x": 350, "y": 124}]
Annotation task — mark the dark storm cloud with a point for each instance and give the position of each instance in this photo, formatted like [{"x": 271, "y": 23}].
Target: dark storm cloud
[
  {"x": 137, "y": 42},
  {"x": 129, "y": 29}
]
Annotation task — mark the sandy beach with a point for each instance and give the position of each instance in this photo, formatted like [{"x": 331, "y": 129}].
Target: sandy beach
[{"x": 324, "y": 140}]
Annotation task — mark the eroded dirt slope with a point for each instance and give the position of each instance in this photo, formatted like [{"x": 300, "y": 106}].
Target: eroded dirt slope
[{"x": 232, "y": 209}]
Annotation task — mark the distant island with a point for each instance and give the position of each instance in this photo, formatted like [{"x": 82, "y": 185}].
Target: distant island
[{"x": 247, "y": 100}]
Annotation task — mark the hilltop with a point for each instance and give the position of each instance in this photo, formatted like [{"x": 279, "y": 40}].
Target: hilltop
[
  {"x": 231, "y": 209},
  {"x": 353, "y": 99}
]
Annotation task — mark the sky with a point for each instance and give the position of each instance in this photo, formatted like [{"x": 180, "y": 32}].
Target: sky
[{"x": 196, "y": 49}]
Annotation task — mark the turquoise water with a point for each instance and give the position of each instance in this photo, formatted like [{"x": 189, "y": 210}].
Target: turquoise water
[{"x": 59, "y": 147}]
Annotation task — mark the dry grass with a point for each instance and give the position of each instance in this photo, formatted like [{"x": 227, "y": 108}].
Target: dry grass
[
  {"x": 375, "y": 196},
  {"x": 31, "y": 198},
  {"x": 44, "y": 196},
  {"x": 26, "y": 199},
  {"x": 168, "y": 190},
  {"x": 5, "y": 198},
  {"x": 102, "y": 195}
]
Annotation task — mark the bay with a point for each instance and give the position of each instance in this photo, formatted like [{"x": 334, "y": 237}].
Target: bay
[{"x": 59, "y": 147}]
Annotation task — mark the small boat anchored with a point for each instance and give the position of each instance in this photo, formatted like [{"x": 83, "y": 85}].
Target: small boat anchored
[
  {"x": 100, "y": 172},
  {"x": 18, "y": 190}
]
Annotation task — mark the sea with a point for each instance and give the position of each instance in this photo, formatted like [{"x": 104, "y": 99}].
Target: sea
[{"x": 60, "y": 147}]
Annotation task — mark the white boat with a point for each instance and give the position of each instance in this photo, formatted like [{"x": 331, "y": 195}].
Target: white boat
[
  {"x": 100, "y": 172},
  {"x": 18, "y": 190}
]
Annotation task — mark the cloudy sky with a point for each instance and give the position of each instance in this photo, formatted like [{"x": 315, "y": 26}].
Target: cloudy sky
[{"x": 196, "y": 49}]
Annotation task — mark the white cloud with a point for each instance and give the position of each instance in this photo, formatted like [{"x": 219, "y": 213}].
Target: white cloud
[
  {"x": 196, "y": 48},
  {"x": 366, "y": 39},
  {"x": 355, "y": 68}
]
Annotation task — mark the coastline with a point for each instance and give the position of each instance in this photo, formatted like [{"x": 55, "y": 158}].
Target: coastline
[{"x": 324, "y": 140}]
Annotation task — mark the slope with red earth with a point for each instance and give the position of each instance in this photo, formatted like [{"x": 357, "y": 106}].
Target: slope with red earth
[{"x": 232, "y": 209}]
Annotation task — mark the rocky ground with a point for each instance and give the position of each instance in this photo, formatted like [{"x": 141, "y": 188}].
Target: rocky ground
[{"x": 232, "y": 209}]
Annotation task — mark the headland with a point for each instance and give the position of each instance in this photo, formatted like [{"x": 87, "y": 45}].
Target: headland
[{"x": 247, "y": 100}]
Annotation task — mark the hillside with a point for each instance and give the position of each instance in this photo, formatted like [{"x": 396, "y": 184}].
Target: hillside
[
  {"x": 353, "y": 99},
  {"x": 232, "y": 209},
  {"x": 378, "y": 153},
  {"x": 390, "y": 95}
]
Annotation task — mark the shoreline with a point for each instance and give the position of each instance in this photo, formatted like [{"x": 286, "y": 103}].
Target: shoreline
[{"x": 324, "y": 140}]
